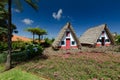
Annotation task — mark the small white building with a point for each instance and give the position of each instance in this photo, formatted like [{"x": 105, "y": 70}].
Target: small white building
[
  {"x": 66, "y": 39},
  {"x": 97, "y": 36}
]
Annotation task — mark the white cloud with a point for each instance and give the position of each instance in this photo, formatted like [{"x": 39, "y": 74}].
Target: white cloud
[
  {"x": 27, "y": 21},
  {"x": 57, "y": 15}
]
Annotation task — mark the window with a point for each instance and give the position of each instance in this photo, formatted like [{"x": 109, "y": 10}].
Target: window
[
  {"x": 62, "y": 43},
  {"x": 68, "y": 34},
  {"x": 107, "y": 40},
  {"x": 103, "y": 32},
  {"x": 98, "y": 40},
  {"x": 73, "y": 42}
]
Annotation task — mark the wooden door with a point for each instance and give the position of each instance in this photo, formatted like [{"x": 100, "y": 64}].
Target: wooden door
[{"x": 67, "y": 43}]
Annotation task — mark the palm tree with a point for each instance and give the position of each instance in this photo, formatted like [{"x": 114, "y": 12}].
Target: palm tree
[{"x": 32, "y": 4}]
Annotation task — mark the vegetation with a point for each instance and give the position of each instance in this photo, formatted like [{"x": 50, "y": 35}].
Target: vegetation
[
  {"x": 29, "y": 52},
  {"x": 38, "y": 31},
  {"x": 81, "y": 66},
  {"x": 3, "y": 57},
  {"x": 117, "y": 39},
  {"x": 9, "y": 28},
  {"x": 17, "y": 74},
  {"x": 48, "y": 42},
  {"x": 3, "y": 46}
]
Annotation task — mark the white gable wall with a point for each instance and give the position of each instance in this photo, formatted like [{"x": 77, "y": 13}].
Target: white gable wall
[
  {"x": 70, "y": 37},
  {"x": 106, "y": 37}
]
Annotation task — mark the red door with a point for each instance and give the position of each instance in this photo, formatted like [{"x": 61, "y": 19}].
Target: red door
[{"x": 67, "y": 43}]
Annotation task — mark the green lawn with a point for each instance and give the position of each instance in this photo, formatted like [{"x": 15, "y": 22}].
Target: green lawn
[
  {"x": 82, "y": 66},
  {"x": 17, "y": 74}
]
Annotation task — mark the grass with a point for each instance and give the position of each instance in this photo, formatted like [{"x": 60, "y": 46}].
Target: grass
[
  {"x": 17, "y": 74},
  {"x": 1, "y": 68},
  {"x": 82, "y": 66}
]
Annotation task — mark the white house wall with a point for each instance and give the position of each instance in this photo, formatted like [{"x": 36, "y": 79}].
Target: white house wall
[
  {"x": 70, "y": 37},
  {"x": 106, "y": 37}
]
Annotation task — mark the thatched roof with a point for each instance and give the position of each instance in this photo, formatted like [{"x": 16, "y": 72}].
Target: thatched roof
[
  {"x": 61, "y": 35},
  {"x": 92, "y": 34}
]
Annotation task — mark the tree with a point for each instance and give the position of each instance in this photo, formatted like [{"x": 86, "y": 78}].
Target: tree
[
  {"x": 4, "y": 30},
  {"x": 33, "y": 31},
  {"x": 40, "y": 32},
  {"x": 32, "y": 4},
  {"x": 3, "y": 11}
]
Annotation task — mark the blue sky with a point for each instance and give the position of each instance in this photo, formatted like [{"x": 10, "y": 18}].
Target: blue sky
[{"x": 54, "y": 14}]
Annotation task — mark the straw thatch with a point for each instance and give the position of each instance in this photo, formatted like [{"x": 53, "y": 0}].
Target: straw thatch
[
  {"x": 58, "y": 39},
  {"x": 91, "y": 35}
]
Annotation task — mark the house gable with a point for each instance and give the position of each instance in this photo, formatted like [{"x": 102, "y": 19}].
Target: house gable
[
  {"x": 68, "y": 35},
  {"x": 66, "y": 38},
  {"x": 103, "y": 39},
  {"x": 91, "y": 36}
]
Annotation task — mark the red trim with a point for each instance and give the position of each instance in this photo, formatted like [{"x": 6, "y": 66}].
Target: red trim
[
  {"x": 64, "y": 47},
  {"x": 74, "y": 47},
  {"x": 98, "y": 45},
  {"x": 108, "y": 44}
]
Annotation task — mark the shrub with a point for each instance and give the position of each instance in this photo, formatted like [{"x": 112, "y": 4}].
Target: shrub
[
  {"x": 31, "y": 50},
  {"x": 47, "y": 42},
  {"x": 3, "y": 57},
  {"x": 3, "y": 46},
  {"x": 18, "y": 45},
  {"x": 19, "y": 56},
  {"x": 117, "y": 39}
]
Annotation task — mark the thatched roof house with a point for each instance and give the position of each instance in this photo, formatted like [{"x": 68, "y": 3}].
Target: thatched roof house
[
  {"x": 97, "y": 36},
  {"x": 66, "y": 39}
]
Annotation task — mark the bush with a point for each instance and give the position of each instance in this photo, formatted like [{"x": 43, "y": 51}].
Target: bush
[
  {"x": 47, "y": 42},
  {"x": 33, "y": 50},
  {"x": 19, "y": 56},
  {"x": 117, "y": 39},
  {"x": 3, "y": 46},
  {"x": 3, "y": 57},
  {"x": 18, "y": 45},
  {"x": 30, "y": 52}
]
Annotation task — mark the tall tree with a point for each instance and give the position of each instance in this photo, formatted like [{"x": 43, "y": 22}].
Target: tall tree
[
  {"x": 33, "y": 31},
  {"x": 40, "y": 32},
  {"x": 8, "y": 62},
  {"x": 32, "y": 4}
]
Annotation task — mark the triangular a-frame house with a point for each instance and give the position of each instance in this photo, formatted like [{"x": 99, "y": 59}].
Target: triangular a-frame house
[
  {"x": 66, "y": 39},
  {"x": 97, "y": 36}
]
